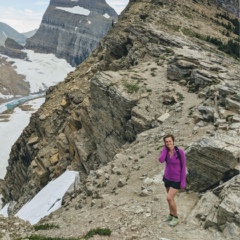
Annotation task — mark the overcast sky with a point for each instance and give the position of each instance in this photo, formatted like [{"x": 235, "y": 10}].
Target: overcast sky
[{"x": 26, "y": 15}]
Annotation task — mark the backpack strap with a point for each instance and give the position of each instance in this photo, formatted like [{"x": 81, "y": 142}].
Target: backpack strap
[
  {"x": 178, "y": 153},
  {"x": 179, "y": 156}
]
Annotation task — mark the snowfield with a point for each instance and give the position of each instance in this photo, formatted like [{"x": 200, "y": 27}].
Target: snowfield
[{"x": 41, "y": 71}]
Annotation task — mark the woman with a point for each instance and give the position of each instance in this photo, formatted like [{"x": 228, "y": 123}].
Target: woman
[{"x": 174, "y": 175}]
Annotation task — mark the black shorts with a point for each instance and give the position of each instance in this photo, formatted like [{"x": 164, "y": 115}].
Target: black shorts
[{"x": 168, "y": 184}]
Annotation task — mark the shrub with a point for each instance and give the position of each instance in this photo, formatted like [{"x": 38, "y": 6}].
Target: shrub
[
  {"x": 131, "y": 87},
  {"x": 45, "y": 227},
  {"x": 99, "y": 231},
  {"x": 180, "y": 96},
  {"x": 37, "y": 237}
]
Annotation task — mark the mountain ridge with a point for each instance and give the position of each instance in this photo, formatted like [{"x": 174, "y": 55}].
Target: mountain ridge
[
  {"x": 150, "y": 75},
  {"x": 7, "y": 31},
  {"x": 72, "y": 35}
]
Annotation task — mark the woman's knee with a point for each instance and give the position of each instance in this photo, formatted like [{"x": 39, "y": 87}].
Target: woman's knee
[{"x": 170, "y": 198}]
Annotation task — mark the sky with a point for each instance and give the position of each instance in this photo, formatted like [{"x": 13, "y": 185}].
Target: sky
[{"x": 26, "y": 15}]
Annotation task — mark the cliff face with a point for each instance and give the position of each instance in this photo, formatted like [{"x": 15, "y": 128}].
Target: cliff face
[
  {"x": 154, "y": 73},
  {"x": 231, "y": 6},
  {"x": 72, "y": 29}
]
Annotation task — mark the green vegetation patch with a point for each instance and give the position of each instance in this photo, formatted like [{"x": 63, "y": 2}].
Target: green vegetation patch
[
  {"x": 231, "y": 47},
  {"x": 131, "y": 87},
  {"x": 45, "y": 227},
  {"x": 98, "y": 231},
  {"x": 179, "y": 96},
  {"x": 91, "y": 233},
  {"x": 37, "y": 237}
]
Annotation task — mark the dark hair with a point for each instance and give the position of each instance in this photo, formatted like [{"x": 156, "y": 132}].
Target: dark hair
[{"x": 167, "y": 136}]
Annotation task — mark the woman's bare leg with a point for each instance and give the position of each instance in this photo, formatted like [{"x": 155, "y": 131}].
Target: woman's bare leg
[{"x": 171, "y": 193}]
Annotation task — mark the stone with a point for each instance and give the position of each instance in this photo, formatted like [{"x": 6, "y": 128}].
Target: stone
[
  {"x": 122, "y": 182},
  {"x": 234, "y": 126},
  {"x": 33, "y": 140},
  {"x": 232, "y": 104},
  {"x": 164, "y": 117},
  {"x": 42, "y": 117},
  {"x": 54, "y": 159},
  {"x": 207, "y": 153},
  {"x": 64, "y": 103},
  {"x": 207, "y": 112},
  {"x": 236, "y": 118},
  {"x": 219, "y": 208}
]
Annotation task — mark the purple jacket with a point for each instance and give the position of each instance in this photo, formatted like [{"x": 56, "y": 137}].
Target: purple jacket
[{"x": 174, "y": 169}]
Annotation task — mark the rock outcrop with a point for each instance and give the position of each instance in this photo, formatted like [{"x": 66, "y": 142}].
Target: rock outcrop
[
  {"x": 211, "y": 161},
  {"x": 149, "y": 76},
  {"x": 220, "y": 208},
  {"x": 12, "y": 83},
  {"x": 72, "y": 29},
  {"x": 231, "y": 6},
  {"x": 12, "y": 49}
]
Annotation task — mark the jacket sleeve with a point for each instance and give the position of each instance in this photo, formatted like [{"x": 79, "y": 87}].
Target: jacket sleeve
[
  {"x": 163, "y": 155},
  {"x": 183, "y": 170}
]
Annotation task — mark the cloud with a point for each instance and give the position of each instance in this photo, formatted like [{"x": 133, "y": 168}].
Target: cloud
[
  {"x": 42, "y": 3},
  {"x": 21, "y": 20},
  {"x": 118, "y": 5}
]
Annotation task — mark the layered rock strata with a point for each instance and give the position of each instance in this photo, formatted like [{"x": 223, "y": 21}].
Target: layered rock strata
[
  {"x": 147, "y": 73},
  {"x": 211, "y": 161},
  {"x": 72, "y": 29}
]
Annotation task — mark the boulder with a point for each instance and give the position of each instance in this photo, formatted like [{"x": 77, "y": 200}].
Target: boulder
[
  {"x": 211, "y": 160},
  {"x": 220, "y": 208}
]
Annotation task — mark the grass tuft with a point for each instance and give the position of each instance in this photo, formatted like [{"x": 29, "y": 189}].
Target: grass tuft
[
  {"x": 99, "y": 231},
  {"x": 45, "y": 227},
  {"x": 37, "y": 237},
  {"x": 131, "y": 87}
]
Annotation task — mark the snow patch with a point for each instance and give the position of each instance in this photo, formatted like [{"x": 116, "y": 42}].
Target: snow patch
[
  {"x": 4, "y": 33},
  {"x": 11, "y": 130},
  {"x": 41, "y": 70},
  {"x": 76, "y": 10},
  {"x": 49, "y": 199},
  {"x": 106, "y": 15}
]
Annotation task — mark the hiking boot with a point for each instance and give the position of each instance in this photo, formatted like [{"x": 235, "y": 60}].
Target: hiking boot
[
  {"x": 173, "y": 222},
  {"x": 168, "y": 218}
]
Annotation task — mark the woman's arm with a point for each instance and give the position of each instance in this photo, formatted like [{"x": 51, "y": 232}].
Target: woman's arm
[
  {"x": 163, "y": 154},
  {"x": 183, "y": 170}
]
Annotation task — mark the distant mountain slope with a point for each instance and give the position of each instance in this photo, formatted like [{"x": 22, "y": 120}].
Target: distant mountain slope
[
  {"x": 72, "y": 29},
  {"x": 7, "y": 31},
  {"x": 30, "y": 33}
]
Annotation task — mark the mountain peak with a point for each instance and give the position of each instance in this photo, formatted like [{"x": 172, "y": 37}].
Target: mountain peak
[{"x": 72, "y": 29}]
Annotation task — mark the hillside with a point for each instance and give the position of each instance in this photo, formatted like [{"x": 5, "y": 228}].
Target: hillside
[
  {"x": 165, "y": 67},
  {"x": 8, "y": 32}
]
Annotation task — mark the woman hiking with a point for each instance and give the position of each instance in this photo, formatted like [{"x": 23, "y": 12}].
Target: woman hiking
[{"x": 174, "y": 175}]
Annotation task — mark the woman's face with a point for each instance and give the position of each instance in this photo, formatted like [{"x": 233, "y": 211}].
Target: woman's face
[{"x": 169, "y": 143}]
